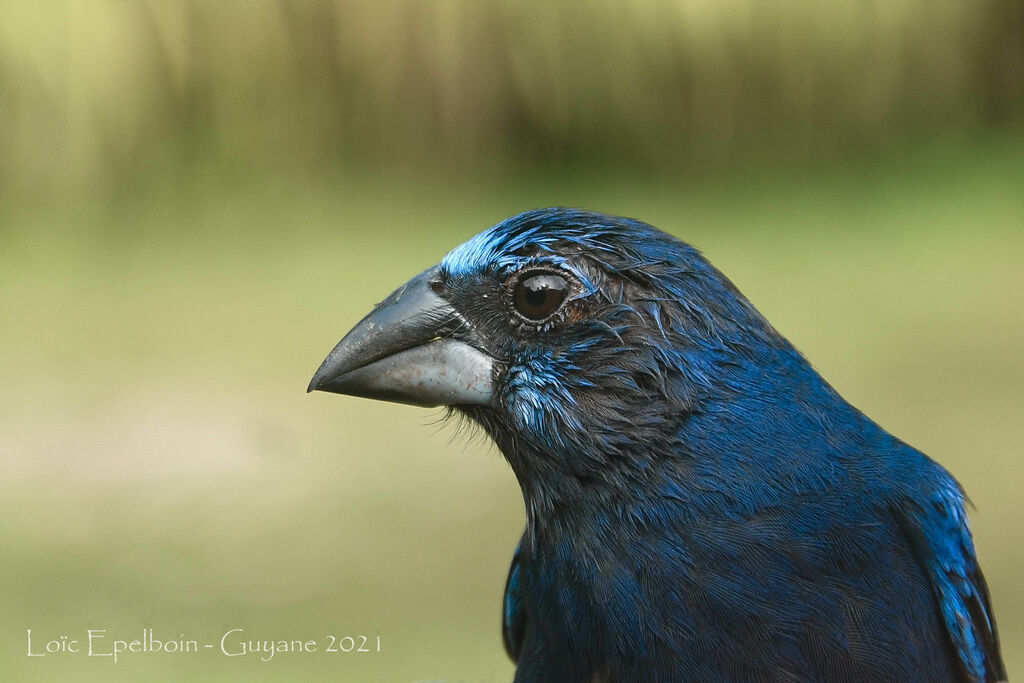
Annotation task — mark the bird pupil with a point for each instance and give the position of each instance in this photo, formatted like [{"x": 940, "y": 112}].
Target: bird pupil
[{"x": 536, "y": 297}]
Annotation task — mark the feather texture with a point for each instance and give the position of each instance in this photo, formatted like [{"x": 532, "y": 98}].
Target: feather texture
[{"x": 701, "y": 504}]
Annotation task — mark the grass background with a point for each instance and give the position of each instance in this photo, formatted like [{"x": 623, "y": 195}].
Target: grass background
[{"x": 197, "y": 201}]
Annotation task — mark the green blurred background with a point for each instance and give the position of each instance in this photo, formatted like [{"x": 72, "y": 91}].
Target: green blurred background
[{"x": 197, "y": 199}]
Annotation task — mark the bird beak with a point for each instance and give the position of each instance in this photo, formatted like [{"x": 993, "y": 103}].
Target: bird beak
[{"x": 412, "y": 348}]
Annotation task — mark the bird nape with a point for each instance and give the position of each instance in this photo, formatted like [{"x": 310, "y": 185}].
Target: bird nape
[{"x": 700, "y": 503}]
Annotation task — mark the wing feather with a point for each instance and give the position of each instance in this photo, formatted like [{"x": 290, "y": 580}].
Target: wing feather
[
  {"x": 513, "y": 618},
  {"x": 941, "y": 539}
]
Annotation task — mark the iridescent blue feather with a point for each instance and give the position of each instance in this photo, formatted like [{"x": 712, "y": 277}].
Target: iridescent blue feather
[{"x": 701, "y": 504}]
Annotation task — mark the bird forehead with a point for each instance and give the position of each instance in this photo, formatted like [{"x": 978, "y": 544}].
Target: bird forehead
[
  {"x": 498, "y": 252},
  {"x": 503, "y": 245},
  {"x": 486, "y": 250},
  {"x": 610, "y": 240}
]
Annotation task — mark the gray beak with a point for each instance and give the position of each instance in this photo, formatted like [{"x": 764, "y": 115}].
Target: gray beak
[{"x": 412, "y": 348}]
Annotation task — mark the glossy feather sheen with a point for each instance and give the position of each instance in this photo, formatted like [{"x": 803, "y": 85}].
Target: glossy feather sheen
[{"x": 701, "y": 504}]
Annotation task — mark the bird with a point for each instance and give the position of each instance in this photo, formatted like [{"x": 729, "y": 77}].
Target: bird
[{"x": 701, "y": 505}]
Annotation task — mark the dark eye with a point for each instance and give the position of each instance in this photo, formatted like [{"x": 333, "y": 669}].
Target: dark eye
[{"x": 538, "y": 295}]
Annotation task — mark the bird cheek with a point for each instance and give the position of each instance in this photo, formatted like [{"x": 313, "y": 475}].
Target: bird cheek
[
  {"x": 538, "y": 408},
  {"x": 526, "y": 410}
]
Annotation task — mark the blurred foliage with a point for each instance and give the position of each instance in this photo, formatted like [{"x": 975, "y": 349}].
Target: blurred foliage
[
  {"x": 198, "y": 197},
  {"x": 161, "y": 464},
  {"x": 105, "y": 94}
]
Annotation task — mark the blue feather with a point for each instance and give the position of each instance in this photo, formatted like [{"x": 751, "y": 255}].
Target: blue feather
[{"x": 701, "y": 504}]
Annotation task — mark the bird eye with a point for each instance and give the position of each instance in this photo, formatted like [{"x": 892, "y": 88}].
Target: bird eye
[{"x": 538, "y": 295}]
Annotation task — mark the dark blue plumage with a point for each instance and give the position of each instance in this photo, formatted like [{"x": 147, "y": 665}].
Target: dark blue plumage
[{"x": 701, "y": 504}]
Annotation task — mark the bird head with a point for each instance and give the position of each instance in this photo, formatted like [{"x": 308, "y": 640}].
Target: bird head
[{"x": 569, "y": 335}]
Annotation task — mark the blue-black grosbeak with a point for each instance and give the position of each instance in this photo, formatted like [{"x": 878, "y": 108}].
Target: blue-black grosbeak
[{"x": 700, "y": 503}]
